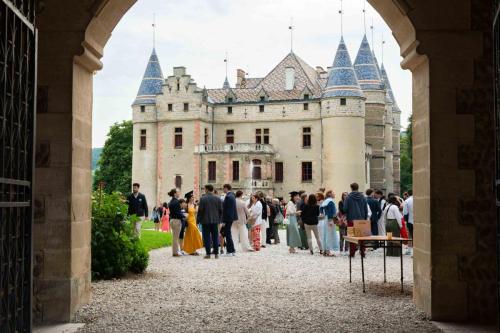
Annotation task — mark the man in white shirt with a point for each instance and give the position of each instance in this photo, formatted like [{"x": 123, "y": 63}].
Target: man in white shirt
[{"x": 408, "y": 214}]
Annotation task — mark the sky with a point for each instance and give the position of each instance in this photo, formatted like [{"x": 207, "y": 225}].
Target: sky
[{"x": 254, "y": 33}]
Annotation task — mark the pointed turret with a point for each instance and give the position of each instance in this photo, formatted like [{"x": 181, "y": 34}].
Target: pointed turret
[
  {"x": 152, "y": 82},
  {"x": 366, "y": 68},
  {"x": 226, "y": 84},
  {"x": 395, "y": 106},
  {"x": 342, "y": 81}
]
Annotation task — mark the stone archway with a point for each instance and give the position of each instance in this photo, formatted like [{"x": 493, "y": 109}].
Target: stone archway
[{"x": 452, "y": 95}]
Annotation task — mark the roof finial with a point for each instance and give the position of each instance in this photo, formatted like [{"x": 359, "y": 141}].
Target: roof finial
[
  {"x": 291, "y": 33},
  {"x": 364, "y": 14},
  {"x": 225, "y": 61},
  {"x": 341, "y": 12},
  {"x": 154, "y": 30},
  {"x": 372, "y": 28},
  {"x": 383, "y": 43}
]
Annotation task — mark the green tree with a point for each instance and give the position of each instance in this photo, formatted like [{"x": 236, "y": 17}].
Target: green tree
[
  {"x": 407, "y": 158},
  {"x": 115, "y": 165}
]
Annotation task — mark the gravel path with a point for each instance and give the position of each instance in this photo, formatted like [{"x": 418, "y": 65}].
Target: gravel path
[{"x": 270, "y": 291}]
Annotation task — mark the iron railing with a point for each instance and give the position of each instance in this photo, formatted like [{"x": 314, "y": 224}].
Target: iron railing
[{"x": 17, "y": 117}]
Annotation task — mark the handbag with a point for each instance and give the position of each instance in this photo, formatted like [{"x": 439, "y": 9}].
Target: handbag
[
  {"x": 279, "y": 218},
  {"x": 251, "y": 221}
]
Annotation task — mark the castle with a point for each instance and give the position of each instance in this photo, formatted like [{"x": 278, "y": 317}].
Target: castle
[{"x": 298, "y": 127}]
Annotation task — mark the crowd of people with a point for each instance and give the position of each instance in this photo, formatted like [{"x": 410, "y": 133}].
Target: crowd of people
[{"x": 222, "y": 223}]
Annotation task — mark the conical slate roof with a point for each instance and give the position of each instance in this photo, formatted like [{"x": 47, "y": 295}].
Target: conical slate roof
[
  {"x": 342, "y": 81},
  {"x": 226, "y": 84},
  {"x": 395, "y": 106},
  {"x": 366, "y": 68},
  {"x": 152, "y": 82}
]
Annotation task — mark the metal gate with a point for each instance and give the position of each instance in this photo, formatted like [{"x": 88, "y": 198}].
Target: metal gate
[
  {"x": 17, "y": 117},
  {"x": 496, "y": 38}
]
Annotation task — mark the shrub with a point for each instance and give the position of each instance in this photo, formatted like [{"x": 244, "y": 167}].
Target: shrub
[{"x": 115, "y": 248}]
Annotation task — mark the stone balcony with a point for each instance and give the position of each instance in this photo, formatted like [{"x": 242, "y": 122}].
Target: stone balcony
[{"x": 234, "y": 148}]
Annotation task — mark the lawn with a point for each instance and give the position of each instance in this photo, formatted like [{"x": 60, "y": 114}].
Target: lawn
[
  {"x": 148, "y": 225},
  {"x": 154, "y": 239}
]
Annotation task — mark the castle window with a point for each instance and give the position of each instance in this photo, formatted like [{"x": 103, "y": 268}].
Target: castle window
[
  {"x": 343, "y": 101},
  {"x": 262, "y": 98},
  {"x": 170, "y": 107},
  {"x": 229, "y": 109},
  {"x": 143, "y": 108},
  {"x": 211, "y": 171},
  {"x": 229, "y": 99},
  {"x": 266, "y": 136},
  {"x": 261, "y": 108},
  {"x": 186, "y": 106},
  {"x": 258, "y": 136},
  {"x": 229, "y": 136},
  {"x": 178, "y": 85},
  {"x": 307, "y": 172},
  {"x": 278, "y": 172},
  {"x": 306, "y": 137},
  {"x": 256, "y": 169},
  {"x": 236, "y": 171},
  {"x": 206, "y": 136},
  {"x": 178, "y": 138},
  {"x": 178, "y": 181},
  {"x": 306, "y": 106},
  {"x": 143, "y": 140},
  {"x": 306, "y": 96}
]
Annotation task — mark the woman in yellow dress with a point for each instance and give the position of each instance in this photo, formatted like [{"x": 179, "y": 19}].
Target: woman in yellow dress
[{"x": 192, "y": 237}]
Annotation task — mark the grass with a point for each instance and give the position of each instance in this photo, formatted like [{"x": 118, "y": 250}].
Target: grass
[
  {"x": 148, "y": 225},
  {"x": 154, "y": 239}
]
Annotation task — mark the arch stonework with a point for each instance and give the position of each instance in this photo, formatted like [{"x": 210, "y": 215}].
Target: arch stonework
[{"x": 449, "y": 56}]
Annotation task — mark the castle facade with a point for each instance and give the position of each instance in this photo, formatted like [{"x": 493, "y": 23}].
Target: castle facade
[{"x": 298, "y": 127}]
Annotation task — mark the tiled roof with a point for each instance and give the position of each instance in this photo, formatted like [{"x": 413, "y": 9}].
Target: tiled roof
[
  {"x": 342, "y": 81},
  {"x": 305, "y": 76},
  {"x": 152, "y": 82},
  {"x": 366, "y": 68},
  {"x": 385, "y": 77},
  {"x": 274, "y": 84}
]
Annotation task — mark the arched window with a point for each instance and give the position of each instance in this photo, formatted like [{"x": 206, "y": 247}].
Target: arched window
[{"x": 256, "y": 169}]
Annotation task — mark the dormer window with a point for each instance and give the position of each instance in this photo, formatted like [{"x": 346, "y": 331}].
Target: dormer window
[
  {"x": 230, "y": 100},
  {"x": 306, "y": 96},
  {"x": 262, "y": 98},
  {"x": 343, "y": 101}
]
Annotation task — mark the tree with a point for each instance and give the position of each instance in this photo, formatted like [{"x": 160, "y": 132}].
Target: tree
[
  {"x": 115, "y": 165},
  {"x": 407, "y": 157}
]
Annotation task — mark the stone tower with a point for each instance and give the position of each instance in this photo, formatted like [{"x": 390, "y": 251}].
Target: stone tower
[
  {"x": 374, "y": 91},
  {"x": 343, "y": 120},
  {"x": 396, "y": 135},
  {"x": 144, "y": 161},
  {"x": 388, "y": 136}
]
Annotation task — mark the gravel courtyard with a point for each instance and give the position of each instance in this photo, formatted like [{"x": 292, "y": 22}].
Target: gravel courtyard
[{"x": 270, "y": 291}]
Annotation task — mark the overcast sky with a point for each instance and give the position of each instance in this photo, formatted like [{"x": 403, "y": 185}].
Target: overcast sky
[{"x": 197, "y": 34}]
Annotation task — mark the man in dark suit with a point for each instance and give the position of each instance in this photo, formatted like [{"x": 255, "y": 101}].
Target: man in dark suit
[
  {"x": 229, "y": 215},
  {"x": 209, "y": 216},
  {"x": 376, "y": 211},
  {"x": 137, "y": 205}
]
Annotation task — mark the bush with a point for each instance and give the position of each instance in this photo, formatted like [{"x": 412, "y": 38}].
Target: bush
[{"x": 115, "y": 248}]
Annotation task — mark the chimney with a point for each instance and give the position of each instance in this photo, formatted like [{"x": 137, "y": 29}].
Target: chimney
[{"x": 240, "y": 77}]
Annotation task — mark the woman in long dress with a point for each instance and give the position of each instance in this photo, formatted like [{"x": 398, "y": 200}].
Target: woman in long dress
[
  {"x": 165, "y": 224},
  {"x": 342, "y": 225},
  {"x": 328, "y": 229},
  {"x": 393, "y": 223},
  {"x": 292, "y": 231},
  {"x": 192, "y": 236},
  {"x": 256, "y": 214}
]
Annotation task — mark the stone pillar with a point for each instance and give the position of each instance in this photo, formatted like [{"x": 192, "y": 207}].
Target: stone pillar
[{"x": 63, "y": 181}]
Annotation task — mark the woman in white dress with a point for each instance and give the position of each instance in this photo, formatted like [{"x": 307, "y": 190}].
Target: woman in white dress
[{"x": 256, "y": 215}]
